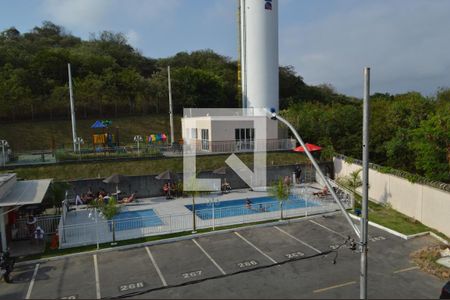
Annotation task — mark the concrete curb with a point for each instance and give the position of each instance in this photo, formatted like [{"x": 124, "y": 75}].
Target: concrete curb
[
  {"x": 401, "y": 235},
  {"x": 172, "y": 240}
]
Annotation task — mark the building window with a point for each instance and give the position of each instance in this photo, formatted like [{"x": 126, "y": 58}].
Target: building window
[
  {"x": 245, "y": 138},
  {"x": 205, "y": 139},
  {"x": 194, "y": 133}
]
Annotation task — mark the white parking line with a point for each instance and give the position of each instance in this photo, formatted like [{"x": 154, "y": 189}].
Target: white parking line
[
  {"x": 256, "y": 248},
  {"x": 156, "y": 267},
  {"x": 298, "y": 240},
  {"x": 210, "y": 258},
  {"x": 97, "y": 277},
  {"x": 334, "y": 287},
  {"x": 30, "y": 287},
  {"x": 406, "y": 270},
  {"x": 329, "y": 229}
]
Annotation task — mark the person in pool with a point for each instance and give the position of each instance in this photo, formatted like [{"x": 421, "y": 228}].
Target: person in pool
[
  {"x": 248, "y": 203},
  {"x": 262, "y": 208}
]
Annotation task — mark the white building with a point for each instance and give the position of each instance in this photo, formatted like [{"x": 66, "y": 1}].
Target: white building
[
  {"x": 233, "y": 131},
  {"x": 229, "y": 134}
]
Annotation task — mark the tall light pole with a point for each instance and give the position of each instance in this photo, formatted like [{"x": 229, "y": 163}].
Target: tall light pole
[
  {"x": 137, "y": 139},
  {"x": 365, "y": 187},
  {"x": 4, "y": 144},
  {"x": 72, "y": 111},
  {"x": 172, "y": 138}
]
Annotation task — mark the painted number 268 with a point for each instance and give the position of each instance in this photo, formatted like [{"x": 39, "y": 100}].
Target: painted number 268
[
  {"x": 131, "y": 286},
  {"x": 247, "y": 264}
]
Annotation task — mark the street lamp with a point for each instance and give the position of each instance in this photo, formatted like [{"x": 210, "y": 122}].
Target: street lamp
[
  {"x": 79, "y": 141},
  {"x": 137, "y": 139},
  {"x": 4, "y": 144},
  {"x": 213, "y": 202}
]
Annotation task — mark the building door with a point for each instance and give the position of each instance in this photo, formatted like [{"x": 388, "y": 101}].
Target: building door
[
  {"x": 205, "y": 139},
  {"x": 245, "y": 138}
]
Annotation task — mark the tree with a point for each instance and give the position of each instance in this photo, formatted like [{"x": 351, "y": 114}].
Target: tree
[
  {"x": 108, "y": 210},
  {"x": 431, "y": 143},
  {"x": 352, "y": 182},
  {"x": 280, "y": 190}
]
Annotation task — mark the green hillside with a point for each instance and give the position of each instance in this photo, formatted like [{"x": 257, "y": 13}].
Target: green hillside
[{"x": 27, "y": 135}]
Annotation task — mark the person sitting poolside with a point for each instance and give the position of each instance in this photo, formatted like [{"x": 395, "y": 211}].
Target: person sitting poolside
[
  {"x": 128, "y": 199},
  {"x": 226, "y": 187},
  {"x": 78, "y": 200},
  {"x": 323, "y": 192}
]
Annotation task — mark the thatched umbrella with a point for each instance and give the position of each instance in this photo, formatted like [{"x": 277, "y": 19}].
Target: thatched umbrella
[
  {"x": 221, "y": 171},
  {"x": 166, "y": 175},
  {"x": 116, "y": 179}
]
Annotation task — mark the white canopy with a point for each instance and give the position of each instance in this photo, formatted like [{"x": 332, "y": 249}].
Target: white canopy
[{"x": 26, "y": 192}]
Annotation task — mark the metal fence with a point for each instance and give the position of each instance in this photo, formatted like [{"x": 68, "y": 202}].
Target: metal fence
[
  {"x": 47, "y": 223},
  {"x": 99, "y": 230}
]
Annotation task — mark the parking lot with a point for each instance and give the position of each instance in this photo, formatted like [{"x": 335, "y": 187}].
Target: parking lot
[{"x": 278, "y": 261}]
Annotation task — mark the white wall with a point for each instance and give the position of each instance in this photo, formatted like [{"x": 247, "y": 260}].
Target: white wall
[{"x": 429, "y": 205}]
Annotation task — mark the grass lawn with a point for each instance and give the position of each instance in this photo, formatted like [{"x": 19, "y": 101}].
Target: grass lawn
[
  {"x": 390, "y": 218},
  {"x": 38, "y": 135},
  {"x": 144, "y": 167}
]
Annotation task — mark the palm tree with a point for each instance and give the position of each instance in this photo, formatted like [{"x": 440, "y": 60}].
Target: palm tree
[
  {"x": 280, "y": 191},
  {"x": 193, "y": 191},
  {"x": 109, "y": 210},
  {"x": 352, "y": 182}
]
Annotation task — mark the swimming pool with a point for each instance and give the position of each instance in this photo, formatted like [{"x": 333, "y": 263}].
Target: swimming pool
[
  {"x": 238, "y": 207},
  {"x": 127, "y": 220}
]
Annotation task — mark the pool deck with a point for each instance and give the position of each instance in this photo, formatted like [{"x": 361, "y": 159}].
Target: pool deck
[
  {"x": 81, "y": 227},
  {"x": 177, "y": 206}
]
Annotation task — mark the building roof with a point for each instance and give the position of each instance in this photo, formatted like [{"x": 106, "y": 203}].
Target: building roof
[{"x": 26, "y": 192}]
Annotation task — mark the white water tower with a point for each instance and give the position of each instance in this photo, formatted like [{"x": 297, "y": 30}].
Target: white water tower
[{"x": 259, "y": 53}]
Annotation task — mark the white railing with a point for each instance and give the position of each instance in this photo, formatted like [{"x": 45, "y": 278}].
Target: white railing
[
  {"x": 48, "y": 223},
  {"x": 240, "y": 146},
  {"x": 101, "y": 231}
]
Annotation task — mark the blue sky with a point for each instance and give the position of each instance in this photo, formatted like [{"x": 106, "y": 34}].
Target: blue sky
[{"x": 405, "y": 42}]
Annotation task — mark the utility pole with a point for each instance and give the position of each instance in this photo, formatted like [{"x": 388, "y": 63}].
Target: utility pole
[
  {"x": 365, "y": 187},
  {"x": 72, "y": 111},
  {"x": 172, "y": 139},
  {"x": 243, "y": 52}
]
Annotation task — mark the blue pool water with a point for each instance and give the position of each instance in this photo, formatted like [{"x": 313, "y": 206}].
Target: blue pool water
[
  {"x": 238, "y": 207},
  {"x": 136, "y": 219}
]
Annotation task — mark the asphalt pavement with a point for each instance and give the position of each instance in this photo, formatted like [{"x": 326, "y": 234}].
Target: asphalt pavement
[{"x": 294, "y": 260}]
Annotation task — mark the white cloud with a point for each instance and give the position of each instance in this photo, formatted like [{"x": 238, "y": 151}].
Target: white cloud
[
  {"x": 97, "y": 15},
  {"x": 405, "y": 43},
  {"x": 133, "y": 38},
  {"x": 82, "y": 14}
]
